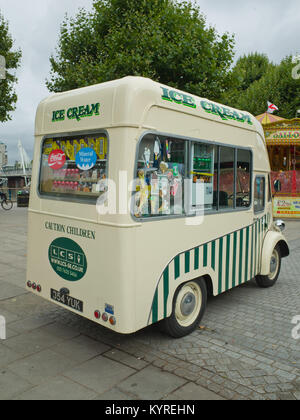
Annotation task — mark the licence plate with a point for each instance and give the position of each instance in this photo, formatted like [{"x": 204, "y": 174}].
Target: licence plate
[{"x": 67, "y": 300}]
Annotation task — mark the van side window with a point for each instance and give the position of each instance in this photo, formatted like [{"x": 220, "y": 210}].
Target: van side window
[
  {"x": 243, "y": 178},
  {"x": 177, "y": 177},
  {"x": 204, "y": 175},
  {"x": 226, "y": 178},
  {"x": 161, "y": 171},
  {"x": 74, "y": 167},
  {"x": 259, "y": 194}
]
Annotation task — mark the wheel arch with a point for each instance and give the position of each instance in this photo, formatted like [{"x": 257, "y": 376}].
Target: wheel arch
[
  {"x": 284, "y": 249},
  {"x": 272, "y": 240},
  {"x": 162, "y": 305}
]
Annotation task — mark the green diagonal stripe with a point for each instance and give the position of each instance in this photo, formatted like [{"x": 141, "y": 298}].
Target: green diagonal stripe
[
  {"x": 166, "y": 290},
  {"x": 196, "y": 260},
  {"x": 241, "y": 256},
  {"x": 213, "y": 255},
  {"x": 187, "y": 262},
  {"x": 155, "y": 307},
  {"x": 205, "y": 255},
  {"x": 247, "y": 254},
  {"x": 220, "y": 264},
  {"x": 177, "y": 267},
  {"x": 227, "y": 262},
  {"x": 234, "y": 262}
]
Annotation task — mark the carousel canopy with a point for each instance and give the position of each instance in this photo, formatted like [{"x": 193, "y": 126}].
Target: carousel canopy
[
  {"x": 282, "y": 132},
  {"x": 268, "y": 118}
]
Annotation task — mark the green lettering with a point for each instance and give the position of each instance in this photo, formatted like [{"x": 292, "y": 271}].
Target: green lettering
[
  {"x": 81, "y": 111},
  {"x": 70, "y": 113},
  {"x": 62, "y": 115},
  {"x": 248, "y": 119},
  {"x": 88, "y": 111},
  {"x": 237, "y": 117},
  {"x": 75, "y": 114},
  {"x": 176, "y": 97},
  {"x": 218, "y": 111},
  {"x": 165, "y": 95},
  {"x": 188, "y": 101},
  {"x": 206, "y": 106},
  {"x": 95, "y": 109},
  {"x": 58, "y": 115},
  {"x": 228, "y": 113}
]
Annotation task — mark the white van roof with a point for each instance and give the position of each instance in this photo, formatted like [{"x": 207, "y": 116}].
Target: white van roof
[{"x": 126, "y": 102}]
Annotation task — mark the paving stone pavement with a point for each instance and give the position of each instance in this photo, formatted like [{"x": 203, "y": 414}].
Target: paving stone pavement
[{"x": 243, "y": 350}]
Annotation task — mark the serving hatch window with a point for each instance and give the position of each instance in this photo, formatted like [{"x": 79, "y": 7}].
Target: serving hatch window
[
  {"x": 74, "y": 166},
  {"x": 161, "y": 170},
  {"x": 179, "y": 176}
]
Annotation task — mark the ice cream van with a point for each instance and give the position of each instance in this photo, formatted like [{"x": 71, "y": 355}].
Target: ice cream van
[{"x": 144, "y": 200}]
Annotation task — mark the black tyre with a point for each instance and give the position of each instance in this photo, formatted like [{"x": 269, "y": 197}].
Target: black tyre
[
  {"x": 189, "y": 305},
  {"x": 7, "y": 204},
  {"x": 275, "y": 266}
]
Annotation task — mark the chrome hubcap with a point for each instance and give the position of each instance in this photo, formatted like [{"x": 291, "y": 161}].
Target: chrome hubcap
[
  {"x": 188, "y": 304},
  {"x": 274, "y": 265}
]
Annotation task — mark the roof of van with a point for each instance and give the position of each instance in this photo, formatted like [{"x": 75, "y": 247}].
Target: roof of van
[{"x": 126, "y": 102}]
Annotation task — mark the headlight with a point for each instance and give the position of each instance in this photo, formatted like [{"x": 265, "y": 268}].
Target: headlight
[{"x": 280, "y": 225}]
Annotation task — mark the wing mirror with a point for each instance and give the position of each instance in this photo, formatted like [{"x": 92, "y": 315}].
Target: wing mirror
[{"x": 277, "y": 185}]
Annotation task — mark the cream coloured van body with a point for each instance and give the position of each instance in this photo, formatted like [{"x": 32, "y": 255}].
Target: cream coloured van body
[{"x": 131, "y": 269}]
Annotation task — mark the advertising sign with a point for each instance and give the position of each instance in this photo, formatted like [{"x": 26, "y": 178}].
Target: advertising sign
[
  {"x": 57, "y": 159},
  {"x": 86, "y": 159},
  {"x": 286, "y": 207},
  {"x": 67, "y": 259}
]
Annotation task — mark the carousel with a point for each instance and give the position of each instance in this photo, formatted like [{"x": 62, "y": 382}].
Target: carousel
[{"x": 283, "y": 143}]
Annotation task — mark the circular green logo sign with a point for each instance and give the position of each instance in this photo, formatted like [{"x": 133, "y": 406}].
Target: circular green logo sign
[{"x": 67, "y": 259}]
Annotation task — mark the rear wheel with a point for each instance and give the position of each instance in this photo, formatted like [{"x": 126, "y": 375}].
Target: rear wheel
[
  {"x": 7, "y": 204},
  {"x": 189, "y": 305},
  {"x": 275, "y": 266}
]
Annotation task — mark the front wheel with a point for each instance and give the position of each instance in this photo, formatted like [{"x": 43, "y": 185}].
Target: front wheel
[
  {"x": 189, "y": 305},
  {"x": 275, "y": 266},
  {"x": 7, "y": 204}
]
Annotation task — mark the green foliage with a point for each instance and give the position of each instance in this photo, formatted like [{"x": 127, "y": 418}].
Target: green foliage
[
  {"x": 261, "y": 82},
  {"x": 8, "y": 97},
  {"x": 164, "y": 40},
  {"x": 250, "y": 68}
]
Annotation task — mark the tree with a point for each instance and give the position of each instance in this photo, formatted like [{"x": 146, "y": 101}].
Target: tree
[
  {"x": 247, "y": 70},
  {"x": 11, "y": 61},
  {"x": 276, "y": 85},
  {"x": 164, "y": 40},
  {"x": 251, "y": 68}
]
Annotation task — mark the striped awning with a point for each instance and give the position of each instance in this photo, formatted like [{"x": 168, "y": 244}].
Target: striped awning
[{"x": 268, "y": 118}]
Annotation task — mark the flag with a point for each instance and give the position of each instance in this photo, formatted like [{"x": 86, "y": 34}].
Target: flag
[{"x": 272, "y": 108}]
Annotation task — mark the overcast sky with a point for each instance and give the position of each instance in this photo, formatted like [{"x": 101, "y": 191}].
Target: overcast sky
[{"x": 267, "y": 26}]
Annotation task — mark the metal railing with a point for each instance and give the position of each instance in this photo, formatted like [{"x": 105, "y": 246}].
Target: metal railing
[{"x": 7, "y": 172}]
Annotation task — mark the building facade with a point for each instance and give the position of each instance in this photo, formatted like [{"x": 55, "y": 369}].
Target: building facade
[
  {"x": 3, "y": 154},
  {"x": 283, "y": 143}
]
